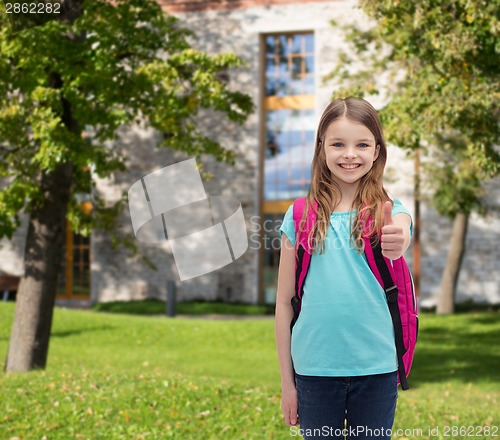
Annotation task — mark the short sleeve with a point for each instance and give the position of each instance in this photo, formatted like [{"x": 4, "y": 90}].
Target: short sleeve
[
  {"x": 398, "y": 208},
  {"x": 287, "y": 226}
]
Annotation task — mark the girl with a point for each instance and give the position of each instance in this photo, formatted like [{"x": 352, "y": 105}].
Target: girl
[{"x": 342, "y": 346}]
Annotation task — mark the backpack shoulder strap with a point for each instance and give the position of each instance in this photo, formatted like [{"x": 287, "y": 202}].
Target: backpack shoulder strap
[
  {"x": 302, "y": 252},
  {"x": 298, "y": 209},
  {"x": 384, "y": 272}
]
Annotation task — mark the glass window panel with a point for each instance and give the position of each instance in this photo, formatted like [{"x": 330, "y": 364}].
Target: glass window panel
[
  {"x": 309, "y": 43},
  {"x": 308, "y": 82},
  {"x": 283, "y": 61},
  {"x": 295, "y": 138},
  {"x": 270, "y": 44},
  {"x": 309, "y": 65},
  {"x": 296, "y": 87},
  {"x": 289, "y": 63},
  {"x": 283, "y": 71},
  {"x": 76, "y": 273},
  {"x": 287, "y": 173},
  {"x": 297, "y": 44},
  {"x": 80, "y": 268},
  {"x": 310, "y": 136},
  {"x": 282, "y": 82},
  {"x": 271, "y": 87},
  {"x": 271, "y": 66},
  {"x": 283, "y": 143},
  {"x": 275, "y": 119},
  {"x": 282, "y": 89},
  {"x": 297, "y": 69},
  {"x": 86, "y": 278},
  {"x": 283, "y": 46}
]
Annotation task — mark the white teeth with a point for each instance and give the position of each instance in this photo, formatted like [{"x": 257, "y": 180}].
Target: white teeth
[{"x": 350, "y": 167}]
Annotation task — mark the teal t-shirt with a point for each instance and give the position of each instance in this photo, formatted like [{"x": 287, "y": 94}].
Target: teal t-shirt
[{"x": 344, "y": 327}]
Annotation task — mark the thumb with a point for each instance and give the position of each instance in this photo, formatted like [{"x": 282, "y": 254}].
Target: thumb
[{"x": 387, "y": 210}]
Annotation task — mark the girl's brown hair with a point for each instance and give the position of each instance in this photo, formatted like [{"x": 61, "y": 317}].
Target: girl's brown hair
[{"x": 370, "y": 194}]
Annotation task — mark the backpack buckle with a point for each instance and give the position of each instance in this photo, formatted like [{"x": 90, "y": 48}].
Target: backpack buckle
[{"x": 392, "y": 294}]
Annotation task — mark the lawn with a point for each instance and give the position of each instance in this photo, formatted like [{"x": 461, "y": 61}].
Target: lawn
[
  {"x": 158, "y": 307},
  {"x": 124, "y": 376}
]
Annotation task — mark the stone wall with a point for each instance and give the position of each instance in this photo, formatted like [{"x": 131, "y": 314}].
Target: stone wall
[{"x": 479, "y": 279}]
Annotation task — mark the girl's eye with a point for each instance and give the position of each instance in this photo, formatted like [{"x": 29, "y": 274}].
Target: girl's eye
[
  {"x": 363, "y": 145},
  {"x": 336, "y": 144}
]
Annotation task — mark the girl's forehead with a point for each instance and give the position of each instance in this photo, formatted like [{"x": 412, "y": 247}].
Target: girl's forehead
[{"x": 347, "y": 129}]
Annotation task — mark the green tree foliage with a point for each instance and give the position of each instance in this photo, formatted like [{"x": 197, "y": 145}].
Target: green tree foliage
[
  {"x": 116, "y": 64},
  {"x": 439, "y": 62},
  {"x": 104, "y": 65},
  {"x": 447, "y": 96}
]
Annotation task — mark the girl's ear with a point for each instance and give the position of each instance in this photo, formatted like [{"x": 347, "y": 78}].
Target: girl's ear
[{"x": 377, "y": 151}]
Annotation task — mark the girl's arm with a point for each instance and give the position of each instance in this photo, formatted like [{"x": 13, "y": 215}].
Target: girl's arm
[
  {"x": 284, "y": 311},
  {"x": 284, "y": 314}
]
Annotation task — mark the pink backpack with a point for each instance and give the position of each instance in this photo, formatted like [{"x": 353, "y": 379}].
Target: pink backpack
[{"x": 393, "y": 275}]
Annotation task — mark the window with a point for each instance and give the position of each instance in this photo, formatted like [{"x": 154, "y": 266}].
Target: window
[
  {"x": 289, "y": 115},
  {"x": 74, "y": 274},
  {"x": 288, "y": 138}
]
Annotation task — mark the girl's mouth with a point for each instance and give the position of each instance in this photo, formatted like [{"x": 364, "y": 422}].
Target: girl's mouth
[{"x": 349, "y": 166}]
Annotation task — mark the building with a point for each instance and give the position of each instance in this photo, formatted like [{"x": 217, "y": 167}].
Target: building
[{"x": 288, "y": 46}]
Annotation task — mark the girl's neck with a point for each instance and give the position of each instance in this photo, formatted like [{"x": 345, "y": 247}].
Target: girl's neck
[
  {"x": 342, "y": 208},
  {"x": 348, "y": 194}
]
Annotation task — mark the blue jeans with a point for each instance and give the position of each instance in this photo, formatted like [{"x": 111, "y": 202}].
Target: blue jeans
[{"x": 367, "y": 402}]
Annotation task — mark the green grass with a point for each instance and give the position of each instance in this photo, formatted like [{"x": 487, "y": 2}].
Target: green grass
[
  {"x": 157, "y": 307},
  {"x": 120, "y": 376}
]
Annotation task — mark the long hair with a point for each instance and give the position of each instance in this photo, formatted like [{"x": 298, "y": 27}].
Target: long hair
[{"x": 370, "y": 194}]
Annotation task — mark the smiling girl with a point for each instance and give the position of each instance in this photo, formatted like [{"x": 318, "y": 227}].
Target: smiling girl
[{"x": 339, "y": 363}]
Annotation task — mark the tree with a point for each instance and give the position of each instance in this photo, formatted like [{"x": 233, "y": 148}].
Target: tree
[
  {"x": 444, "y": 105},
  {"x": 105, "y": 65}
]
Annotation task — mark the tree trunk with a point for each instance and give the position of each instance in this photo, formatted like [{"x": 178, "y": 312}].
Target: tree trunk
[
  {"x": 446, "y": 302},
  {"x": 29, "y": 341}
]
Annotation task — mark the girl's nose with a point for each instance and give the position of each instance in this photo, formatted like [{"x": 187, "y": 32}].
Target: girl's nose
[{"x": 350, "y": 154}]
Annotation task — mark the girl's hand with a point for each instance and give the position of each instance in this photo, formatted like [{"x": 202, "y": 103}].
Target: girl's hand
[
  {"x": 289, "y": 405},
  {"x": 393, "y": 238}
]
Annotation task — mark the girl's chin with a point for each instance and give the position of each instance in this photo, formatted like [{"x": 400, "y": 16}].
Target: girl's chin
[{"x": 345, "y": 180}]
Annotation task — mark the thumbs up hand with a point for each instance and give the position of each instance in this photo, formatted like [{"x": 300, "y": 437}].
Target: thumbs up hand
[{"x": 393, "y": 238}]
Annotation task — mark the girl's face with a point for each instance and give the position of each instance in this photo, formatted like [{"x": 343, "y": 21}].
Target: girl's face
[{"x": 350, "y": 151}]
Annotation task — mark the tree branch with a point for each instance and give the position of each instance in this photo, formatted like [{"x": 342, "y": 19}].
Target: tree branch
[{"x": 12, "y": 150}]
